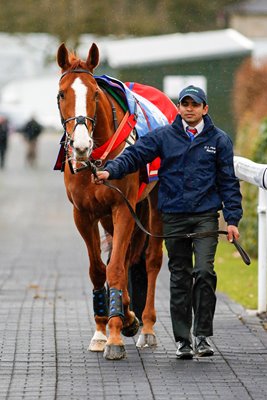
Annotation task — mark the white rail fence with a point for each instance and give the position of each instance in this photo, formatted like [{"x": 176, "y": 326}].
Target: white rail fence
[{"x": 256, "y": 174}]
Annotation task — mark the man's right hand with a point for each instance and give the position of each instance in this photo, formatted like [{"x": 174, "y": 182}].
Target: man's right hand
[{"x": 100, "y": 177}]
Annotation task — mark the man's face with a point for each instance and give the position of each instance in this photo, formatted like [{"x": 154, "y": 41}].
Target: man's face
[{"x": 191, "y": 111}]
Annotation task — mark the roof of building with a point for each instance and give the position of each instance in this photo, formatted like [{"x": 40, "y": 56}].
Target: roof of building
[{"x": 172, "y": 48}]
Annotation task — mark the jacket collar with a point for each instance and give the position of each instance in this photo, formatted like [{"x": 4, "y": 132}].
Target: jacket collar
[{"x": 178, "y": 124}]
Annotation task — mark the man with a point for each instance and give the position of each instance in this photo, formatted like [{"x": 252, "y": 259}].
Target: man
[
  {"x": 4, "y": 132},
  {"x": 31, "y": 132},
  {"x": 196, "y": 180}
]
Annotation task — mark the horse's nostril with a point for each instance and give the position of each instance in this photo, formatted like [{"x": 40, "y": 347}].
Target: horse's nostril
[{"x": 82, "y": 149}]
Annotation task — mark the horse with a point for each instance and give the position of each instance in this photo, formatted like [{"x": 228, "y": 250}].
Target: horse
[{"x": 91, "y": 118}]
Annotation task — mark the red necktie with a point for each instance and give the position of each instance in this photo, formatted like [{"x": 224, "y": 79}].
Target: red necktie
[{"x": 191, "y": 132}]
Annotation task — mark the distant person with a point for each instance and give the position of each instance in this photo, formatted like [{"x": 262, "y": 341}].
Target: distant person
[
  {"x": 4, "y": 131},
  {"x": 31, "y": 131}
]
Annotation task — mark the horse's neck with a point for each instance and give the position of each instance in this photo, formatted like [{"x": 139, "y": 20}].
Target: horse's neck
[{"x": 109, "y": 114}]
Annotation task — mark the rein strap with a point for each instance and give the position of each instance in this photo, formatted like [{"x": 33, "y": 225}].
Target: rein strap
[
  {"x": 115, "y": 136},
  {"x": 242, "y": 252},
  {"x": 125, "y": 128}
]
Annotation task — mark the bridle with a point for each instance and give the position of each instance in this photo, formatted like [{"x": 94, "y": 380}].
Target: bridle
[{"x": 79, "y": 120}]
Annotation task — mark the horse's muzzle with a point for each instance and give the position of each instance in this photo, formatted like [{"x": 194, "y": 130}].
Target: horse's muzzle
[{"x": 81, "y": 155}]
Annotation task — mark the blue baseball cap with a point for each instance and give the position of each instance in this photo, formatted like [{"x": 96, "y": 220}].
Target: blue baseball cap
[{"x": 195, "y": 93}]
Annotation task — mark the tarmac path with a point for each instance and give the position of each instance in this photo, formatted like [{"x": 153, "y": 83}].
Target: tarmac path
[{"x": 46, "y": 314}]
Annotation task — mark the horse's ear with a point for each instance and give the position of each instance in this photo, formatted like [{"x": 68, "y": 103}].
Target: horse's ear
[
  {"x": 63, "y": 57},
  {"x": 93, "y": 57}
]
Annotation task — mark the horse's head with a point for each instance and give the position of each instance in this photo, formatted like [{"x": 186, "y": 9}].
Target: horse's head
[{"x": 78, "y": 100}]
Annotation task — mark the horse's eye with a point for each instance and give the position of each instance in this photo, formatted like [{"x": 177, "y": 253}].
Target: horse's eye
[{"x": 61, "y": 95}]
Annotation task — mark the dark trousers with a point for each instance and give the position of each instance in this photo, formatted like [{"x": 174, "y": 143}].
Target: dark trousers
[
  {"x": 2, "y": 156},
  {"x": 192, "y": 284}
]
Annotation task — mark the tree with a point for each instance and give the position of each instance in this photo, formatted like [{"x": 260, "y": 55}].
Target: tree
[{"x": 68, "y": 19}]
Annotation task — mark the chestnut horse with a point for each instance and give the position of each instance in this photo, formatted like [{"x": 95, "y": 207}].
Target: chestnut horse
[{"x": 87, "y": 113}]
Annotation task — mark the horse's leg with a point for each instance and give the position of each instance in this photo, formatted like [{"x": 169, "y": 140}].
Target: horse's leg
[
  {"x": 97, "y": 272},
  {"x": 154, "y": 255},
  {"x": 137, "y": 266},
  {"x": 120, "y": 316}
]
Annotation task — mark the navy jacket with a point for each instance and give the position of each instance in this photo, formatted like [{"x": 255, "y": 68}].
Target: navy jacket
[{"x": 194, "y": 177}]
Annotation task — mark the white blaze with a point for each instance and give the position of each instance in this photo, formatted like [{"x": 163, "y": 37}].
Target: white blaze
[{"x": 82, "y": 140}]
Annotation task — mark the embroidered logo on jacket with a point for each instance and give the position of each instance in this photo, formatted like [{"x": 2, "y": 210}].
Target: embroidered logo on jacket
[{"x": 210, "y": 149}]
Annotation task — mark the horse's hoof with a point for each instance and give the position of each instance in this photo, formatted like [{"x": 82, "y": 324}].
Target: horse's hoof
[
  {"x": 146, "y": 340},
  {"x": 114, "y": 352},
  {"x": 97, "y": 345},
  {"x": 132, "y": 329}
]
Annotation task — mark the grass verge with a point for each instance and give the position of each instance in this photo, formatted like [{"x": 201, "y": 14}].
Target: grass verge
[{"x": 235, "y": 278}]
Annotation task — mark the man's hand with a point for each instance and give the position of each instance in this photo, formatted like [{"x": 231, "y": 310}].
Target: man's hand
[
  {"x": 232, "y": 232},
  {"x": 101, "y": 177}
]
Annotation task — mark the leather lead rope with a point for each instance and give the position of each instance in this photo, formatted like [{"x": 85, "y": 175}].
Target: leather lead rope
[{"x": 242, "y": 252}]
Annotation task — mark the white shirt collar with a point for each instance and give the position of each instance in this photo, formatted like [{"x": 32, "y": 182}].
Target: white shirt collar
[{"x": 199, "y": 126}]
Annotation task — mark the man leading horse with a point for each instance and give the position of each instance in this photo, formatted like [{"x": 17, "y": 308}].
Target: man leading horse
[{"x": 197, "y": 180}]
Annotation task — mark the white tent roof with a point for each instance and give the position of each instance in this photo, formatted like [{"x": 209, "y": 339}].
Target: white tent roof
[
  {"x": 25, "y": 98},
  {"x": 174, "y": 47},
  {"x": 26, "y": 55}
]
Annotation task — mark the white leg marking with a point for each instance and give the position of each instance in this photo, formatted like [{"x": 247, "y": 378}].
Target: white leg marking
[
  {"x": 98, "y": 342},
  {"x": 99, "y": 336}
]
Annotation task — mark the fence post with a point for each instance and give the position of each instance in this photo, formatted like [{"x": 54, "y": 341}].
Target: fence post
[{"x": 262, "y": 250}]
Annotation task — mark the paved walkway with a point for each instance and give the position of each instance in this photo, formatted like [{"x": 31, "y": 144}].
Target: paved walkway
[{"x": 46, "y": 317}]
